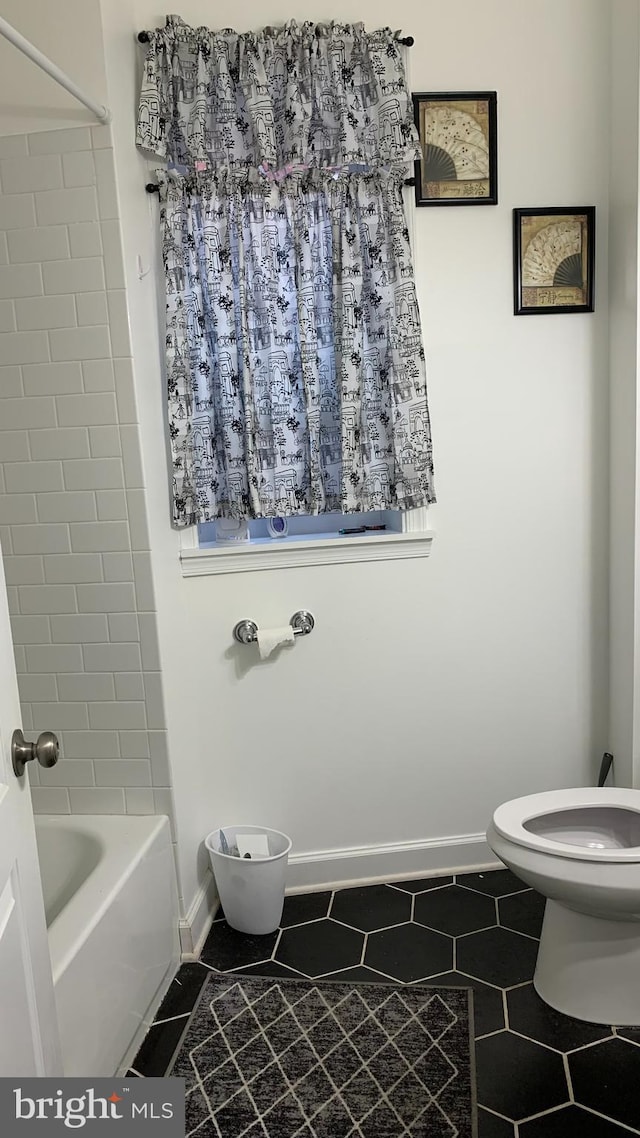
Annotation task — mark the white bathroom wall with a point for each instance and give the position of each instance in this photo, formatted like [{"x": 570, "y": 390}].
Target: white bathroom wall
[
  {"x": 69, "y": 33},
  {"x": 72, "y": 515},
  {"x": 624, "y": 722},
  {"x": 430, "y": 690}
]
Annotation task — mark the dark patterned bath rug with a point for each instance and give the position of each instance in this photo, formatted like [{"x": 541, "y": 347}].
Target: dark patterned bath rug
[{"x": 267, "y": 1058}]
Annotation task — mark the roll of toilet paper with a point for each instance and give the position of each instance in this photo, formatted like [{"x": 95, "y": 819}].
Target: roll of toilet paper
[{"x": 271, "y": 638}]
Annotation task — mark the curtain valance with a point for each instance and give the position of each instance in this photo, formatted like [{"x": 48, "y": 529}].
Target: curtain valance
[{"x": 329, "y": 95}]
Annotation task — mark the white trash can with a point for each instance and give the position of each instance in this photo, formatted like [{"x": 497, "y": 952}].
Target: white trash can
[{"x": 251, "y": 889}]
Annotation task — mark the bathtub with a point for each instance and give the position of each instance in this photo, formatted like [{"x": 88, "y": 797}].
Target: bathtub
[{"x": 112, "y": 917}]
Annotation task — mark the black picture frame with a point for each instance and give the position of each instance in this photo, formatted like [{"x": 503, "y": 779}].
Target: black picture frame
[
  {"x": 553, "y": 263},
  {"x": 459, "y": 140}
]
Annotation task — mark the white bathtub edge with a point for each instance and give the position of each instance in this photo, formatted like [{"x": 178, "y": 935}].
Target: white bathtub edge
[
  {"x": 59, "y": 934},
  {"x": 149, "y": 1017},
  {"x": 122, "y": 950}
]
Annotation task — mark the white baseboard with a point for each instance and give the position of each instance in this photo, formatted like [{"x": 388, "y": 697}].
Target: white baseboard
[
  {"x": 195, "y": 926},
  {"x": 365, "y": 865}
]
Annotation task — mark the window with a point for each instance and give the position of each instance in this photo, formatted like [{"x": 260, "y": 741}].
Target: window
[
  {"x": 309, "y": 541},
  {"x": 305, "y": 527}
]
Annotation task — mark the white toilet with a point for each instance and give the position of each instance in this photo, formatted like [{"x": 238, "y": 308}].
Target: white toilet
[{"x": 581, "y": 849}]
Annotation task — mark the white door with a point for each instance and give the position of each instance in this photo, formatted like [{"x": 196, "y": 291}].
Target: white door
[{"x": 28, "y": 1028}]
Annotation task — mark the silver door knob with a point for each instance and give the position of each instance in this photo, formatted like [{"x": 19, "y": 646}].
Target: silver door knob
[{"x": 46, "y": 750}]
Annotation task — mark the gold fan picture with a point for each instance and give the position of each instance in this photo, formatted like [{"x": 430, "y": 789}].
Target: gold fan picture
[
  {"x": 553, "y": 260},
  {"x": 458, "y": 142}
]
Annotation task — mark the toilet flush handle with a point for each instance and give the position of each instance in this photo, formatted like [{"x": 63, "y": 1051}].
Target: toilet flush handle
[{"x": 46, "y": 750}]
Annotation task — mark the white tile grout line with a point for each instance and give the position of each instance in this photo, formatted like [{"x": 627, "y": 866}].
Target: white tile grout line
[
  {"x": 608, "y": 1118},
  {"x": 488, "y": 1035},
  {"x": 466, "y": 976},
  {"x": 418, "y": 892},
  {"x": 543, "y": 1113},
  {"x": 549, "y": 1046},
  {"x": 587, "y": 1046},
  {"x": 563, "y": 1106},
  {"x": 495, "y": 1113},
  {"x": 529, "y": 936},
  {"x": 400, "y": 924},
  {"x": 367, "y": 932},
  {"x": 458, "y": 936},
  {"x": 239, "y": 971},
  {"x": 311, "y": 921},
  {"x": 391, "y": 979},
  {"x": 276, "y": 944},
  {"x": 505, "y": 1008},
  {"x": 539, "y": 1043},
  {"x": 567, "y": 1072},
  {"x": 338, "y": 971},
  {"x": 169, "y": 1019},
  {"x": 618, "y": 1027}
]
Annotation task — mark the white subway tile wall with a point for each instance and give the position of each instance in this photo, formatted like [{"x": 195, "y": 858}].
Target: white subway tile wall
[{"x": 72, "y": 502}]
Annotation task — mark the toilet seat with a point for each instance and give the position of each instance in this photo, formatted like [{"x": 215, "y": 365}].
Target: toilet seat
[{"x": 510, "y": 821}]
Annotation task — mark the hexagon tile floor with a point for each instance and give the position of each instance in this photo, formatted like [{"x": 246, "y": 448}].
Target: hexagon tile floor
[{"x": 539, "y": 1073}]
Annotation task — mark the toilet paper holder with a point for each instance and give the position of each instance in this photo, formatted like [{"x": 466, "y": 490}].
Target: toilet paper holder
[{"x": 246, "y": 631}]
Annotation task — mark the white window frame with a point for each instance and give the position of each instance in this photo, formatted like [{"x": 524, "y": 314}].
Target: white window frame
[{"x": 412, "y": 540}]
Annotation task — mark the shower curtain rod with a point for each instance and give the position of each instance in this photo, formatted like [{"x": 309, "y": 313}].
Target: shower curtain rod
[{"x": 103, "y": 114}]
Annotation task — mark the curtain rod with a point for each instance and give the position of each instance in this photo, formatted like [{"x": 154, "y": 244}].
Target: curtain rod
[
  {"x": 406, "y": 41},
  {"x": 102, "y": 113},
  {"x": 154, "y": 187}
]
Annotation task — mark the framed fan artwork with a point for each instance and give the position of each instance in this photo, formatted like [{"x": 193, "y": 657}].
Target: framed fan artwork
[
  {"x": 458, "y": 138},
  {"x": 553, "y": 260}
]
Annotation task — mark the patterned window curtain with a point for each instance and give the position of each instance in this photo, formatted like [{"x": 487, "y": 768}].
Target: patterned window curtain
[{"x": 295, "y": 369}]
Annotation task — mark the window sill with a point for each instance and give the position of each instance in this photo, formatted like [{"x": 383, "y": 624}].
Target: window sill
[{"x": 291, "y": 553}]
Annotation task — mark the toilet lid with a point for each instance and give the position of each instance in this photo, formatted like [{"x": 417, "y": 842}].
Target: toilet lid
[{"x": 588, "y": 823}]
